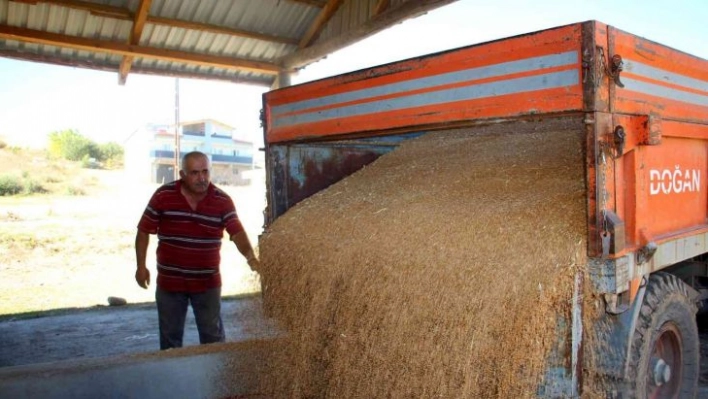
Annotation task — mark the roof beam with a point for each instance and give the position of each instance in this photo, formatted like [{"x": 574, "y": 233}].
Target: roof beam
[
  {"x": 266, "y": 82},
  {"x": 409, "y": 9},
  {"x": 176, "y": 23},
  {"x": 325, "y": 15},
  {"x": 94, "y": 45},
  {"x": 93, "y": 8},
  {"x": 381, "y": 6},
  {"x": 126, "y": 15},
  {"x": 316, "y": 3},
  {"x": 135, "y": 34}
]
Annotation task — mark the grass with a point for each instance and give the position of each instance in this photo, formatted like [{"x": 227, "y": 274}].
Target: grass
[
  {"x": 21, "y": 240},
  {"x": 10, "y": 185},
  {"x": 72, "y": 190},
  {"x": 30, "y": 172},
  {"x": 13, "y": 185}
]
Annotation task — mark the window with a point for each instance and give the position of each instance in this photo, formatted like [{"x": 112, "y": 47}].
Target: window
[{"x": 197, "y": 129}]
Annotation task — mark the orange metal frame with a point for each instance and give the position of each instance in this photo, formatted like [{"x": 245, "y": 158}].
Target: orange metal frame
[
  {"x": 656, "y": 187},
  {"x": 495, "y": 80}
]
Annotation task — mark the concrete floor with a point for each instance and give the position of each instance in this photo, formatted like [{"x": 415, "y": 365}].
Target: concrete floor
[
  {"x": 113, "y": 353},
  {"x": 116, "y": 331}
]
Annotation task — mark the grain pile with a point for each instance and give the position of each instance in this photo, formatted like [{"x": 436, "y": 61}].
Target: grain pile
[{"x": 437, "y": 271}]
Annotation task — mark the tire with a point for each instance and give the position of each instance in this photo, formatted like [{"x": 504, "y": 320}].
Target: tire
[{"x": 664, "y": 359}]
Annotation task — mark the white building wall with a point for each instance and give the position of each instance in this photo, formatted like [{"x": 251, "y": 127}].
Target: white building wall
[
  {"x": 141, "y": 146},
  {"x": 138, "y": 165}
]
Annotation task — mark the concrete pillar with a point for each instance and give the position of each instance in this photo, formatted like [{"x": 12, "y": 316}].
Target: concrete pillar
[{"x": 283, "y": 80}]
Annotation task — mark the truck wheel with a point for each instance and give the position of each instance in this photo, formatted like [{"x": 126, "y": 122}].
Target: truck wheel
[{"x": 664, "y": 360}]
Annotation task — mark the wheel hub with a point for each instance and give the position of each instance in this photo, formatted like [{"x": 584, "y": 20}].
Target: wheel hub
[
  {"x": 665, "y": 368},
  {"x": 661, "y": 371}
]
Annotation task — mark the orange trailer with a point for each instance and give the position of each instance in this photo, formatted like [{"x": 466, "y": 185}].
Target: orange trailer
[{"x": 644, "y": 108}]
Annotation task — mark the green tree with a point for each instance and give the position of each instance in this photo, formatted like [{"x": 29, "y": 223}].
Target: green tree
[
  {"x": 70, "y": 144},
  {"x": 110, "y": 151}
]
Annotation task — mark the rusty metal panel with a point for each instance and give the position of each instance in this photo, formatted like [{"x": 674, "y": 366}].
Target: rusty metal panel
[
  {"x": 595, "y": 85},
  {"x": 296, "y": 171}
]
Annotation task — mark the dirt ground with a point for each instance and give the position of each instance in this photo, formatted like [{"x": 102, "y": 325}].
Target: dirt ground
[{"x": 63, "y": 251}]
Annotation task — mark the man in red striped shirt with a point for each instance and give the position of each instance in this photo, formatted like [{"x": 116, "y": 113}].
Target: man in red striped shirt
[{"x": 189, "y": 217}]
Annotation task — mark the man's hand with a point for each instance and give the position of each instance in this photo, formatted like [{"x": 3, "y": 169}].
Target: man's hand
[
  {"x": 142, "y": 276},
  {"x": 254, "y": 264}
]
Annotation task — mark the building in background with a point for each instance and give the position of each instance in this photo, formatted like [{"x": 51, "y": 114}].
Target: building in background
[{"x": 149, "y": 152}]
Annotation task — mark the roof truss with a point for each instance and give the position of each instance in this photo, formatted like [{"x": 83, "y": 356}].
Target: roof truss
[
  {"x": 80, "y": 43},
  {"x": 298, "y": 51},
  {"x": 137, "y": 31}
]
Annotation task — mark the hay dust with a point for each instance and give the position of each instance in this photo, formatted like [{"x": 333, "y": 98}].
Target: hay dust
[{"x": 439, "y": 270}]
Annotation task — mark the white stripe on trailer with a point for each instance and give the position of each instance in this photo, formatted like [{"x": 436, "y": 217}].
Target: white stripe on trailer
[
  {"x": 472, "y": 74},
  {"x": 662, "y": 75},
  {"x": 657, "y": 90},
  {"x": 553, "y": 80}
]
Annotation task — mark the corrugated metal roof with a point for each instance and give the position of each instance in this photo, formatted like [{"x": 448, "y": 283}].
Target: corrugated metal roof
[{"x": 248, "y": 41}]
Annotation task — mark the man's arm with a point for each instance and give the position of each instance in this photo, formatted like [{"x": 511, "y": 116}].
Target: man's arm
[
  {"x": 142, "y": 274},
  {"x": 244, "y": 246}
]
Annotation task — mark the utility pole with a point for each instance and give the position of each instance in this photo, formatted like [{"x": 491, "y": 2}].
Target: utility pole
[{"x": 177, "y": 146}]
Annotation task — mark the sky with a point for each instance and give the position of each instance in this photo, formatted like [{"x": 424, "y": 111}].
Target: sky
[{"x": 36, "y": 99}]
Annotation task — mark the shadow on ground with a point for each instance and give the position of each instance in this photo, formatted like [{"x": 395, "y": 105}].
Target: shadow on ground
[{"x": 72, "y": 334}]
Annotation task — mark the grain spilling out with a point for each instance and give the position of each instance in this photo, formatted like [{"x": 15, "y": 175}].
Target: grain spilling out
[{"x": 443, "y": 269}]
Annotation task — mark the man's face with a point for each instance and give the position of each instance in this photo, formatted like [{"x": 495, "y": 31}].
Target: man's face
[{"x": 195, "y": 174}]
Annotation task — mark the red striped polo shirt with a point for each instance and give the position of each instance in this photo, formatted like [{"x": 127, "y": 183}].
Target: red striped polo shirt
[{"x": 189, "y": 241}]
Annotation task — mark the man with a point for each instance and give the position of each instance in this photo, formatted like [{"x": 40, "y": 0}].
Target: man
[{"x": 189, "y": 217}]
